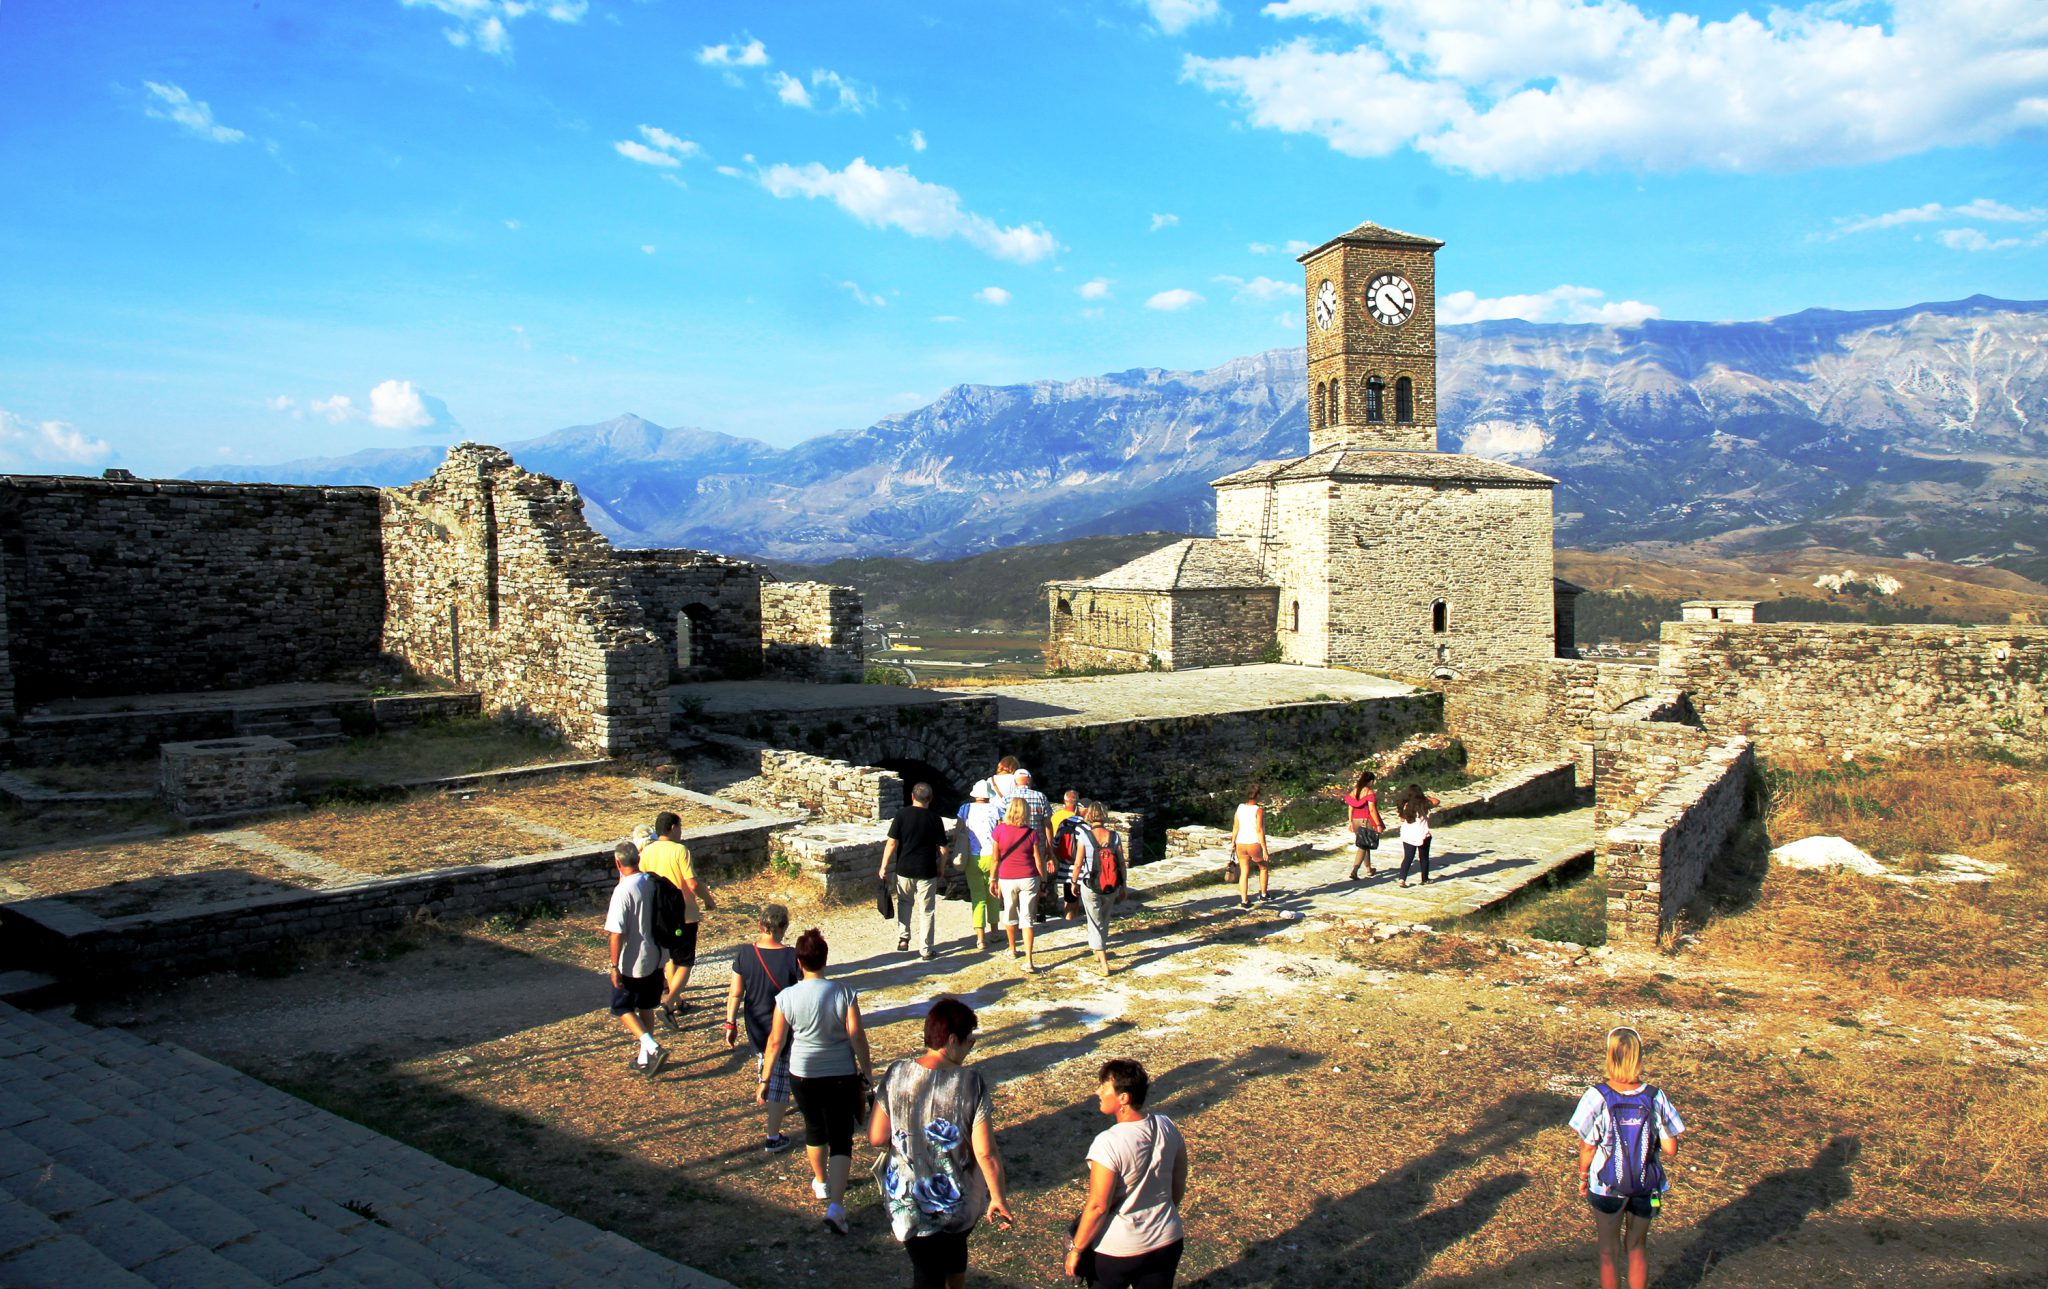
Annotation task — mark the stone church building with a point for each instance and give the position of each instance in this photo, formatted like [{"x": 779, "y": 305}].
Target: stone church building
[{"x": 1375, "y": 551}]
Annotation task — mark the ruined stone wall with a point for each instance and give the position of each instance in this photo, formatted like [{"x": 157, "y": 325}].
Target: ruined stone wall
[
  {"x": 151, "y": 586},
  {"x": 1123, "y": 630},
  {"x": 1832, "y": 688},
  {"x": 704, "y": 608},
  {"x": 7, "y": 708},
  {"x": 811, "y": 630},
  {"x": 1657, "y": 858},
  {"x": 1539, "y": 711},
  {"x": 1634, "y": 757},
  {"x": 1221, "y": 628},
  {"x": 831, "y": 791},
  {"x": 497, "y": 583},
  {"x": 955, "y": 736}
]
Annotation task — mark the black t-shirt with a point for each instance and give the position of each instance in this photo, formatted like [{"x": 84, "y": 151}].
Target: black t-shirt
[
  {"x": 763, "y": 973},
  {"x": 920, "y": 835}
]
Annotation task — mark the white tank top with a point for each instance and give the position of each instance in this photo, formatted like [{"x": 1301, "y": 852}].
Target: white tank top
[{"x": 1248, "y": 824}]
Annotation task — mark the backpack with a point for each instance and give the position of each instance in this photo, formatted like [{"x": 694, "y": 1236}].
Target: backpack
[
  {"x": 1634, "y": 1140},
  {"x": 1101, "y": 863},
  {"x": 671, "y": 910}
]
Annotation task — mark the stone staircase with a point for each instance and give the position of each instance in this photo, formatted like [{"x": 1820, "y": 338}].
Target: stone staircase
[
  {"x": 126, "y": 1162},
  {"x": 308, "y": 729}
]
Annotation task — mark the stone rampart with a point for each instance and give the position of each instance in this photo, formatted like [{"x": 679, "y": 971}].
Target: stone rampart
[
  {"x": 1539, "y": 711},
  {"x": 1833, "y": 688},
  {"x": 811, "y": 630},
  {"x": 1635, "y": 755},
  {"x": 1657, "y": 858},
  {"x": 123, "y": 586},
  {"x": 497, "y": 582},
  {"x": 220, "y": 777},
  {"x": 1528, "y": 790}
]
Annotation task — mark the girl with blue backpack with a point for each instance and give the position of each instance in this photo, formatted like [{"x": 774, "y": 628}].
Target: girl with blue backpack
[{"x": 1628, "y": 1136}]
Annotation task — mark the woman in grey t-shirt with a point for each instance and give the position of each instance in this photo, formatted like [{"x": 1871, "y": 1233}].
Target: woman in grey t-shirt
[
  {"x": 819, "y": 1021},
  {"x": 1137, "y": 1177}
]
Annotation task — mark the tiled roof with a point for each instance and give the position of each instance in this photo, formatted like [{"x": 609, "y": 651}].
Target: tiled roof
[
  {"x": 1360, "y": 465},
  {"x": 1374, "y": 235},
  {"x": 1196, "y": 564}
]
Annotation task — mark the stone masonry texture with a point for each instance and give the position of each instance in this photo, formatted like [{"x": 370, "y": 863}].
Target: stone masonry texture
[
  {"x": 1539, "y": 711},
  {"x": 1657, "y": 858},
  {"x": 226, "y": 776},
  {"x": 141, "y": 586},
  {"x": 1812, "y": 688},
  {"x": 705, "y": 609},
  {"x": 1358, "y": 347},
  {"x": 811, "y": 630}
]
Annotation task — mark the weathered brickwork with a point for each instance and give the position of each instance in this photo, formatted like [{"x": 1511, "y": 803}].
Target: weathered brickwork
[
  {"x": 47, "y": 738},
  {"x": 828, "y": 790},
  {"x": 226, "y": 776},
  {"x": 1634, "y": 757},
  {"x": 497, "y": 582},
  {"x": 1222, "y": 628},
  {"x": 141, "y": 586},
  {"x": 1125, "y": 630},
  {"x": 705, "y": 608},
  {"x": 811, "y": 630},
  {"x": 1814, "y": 688},
  {"x": 1656, "y": 860},
  {"x": 1200, "y": 602},
  {"x": 7, "y": 708},
  {"x": 1539, "y": 711}
]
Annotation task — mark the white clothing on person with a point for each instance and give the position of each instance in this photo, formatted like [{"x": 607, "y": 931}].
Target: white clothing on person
[
  {"x": 1415, "y": 831},
  {"x": 1142, "y": 1155},
  {"x": 1248, "y": 824},
  {"x": 1018, "y": 900},
  {"x": 631, "y": 917},
  {"x": 1595, "y": 1127}
]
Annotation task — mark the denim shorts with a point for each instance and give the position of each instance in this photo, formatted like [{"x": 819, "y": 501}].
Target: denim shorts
[{"x": 1643, "y": 1206}]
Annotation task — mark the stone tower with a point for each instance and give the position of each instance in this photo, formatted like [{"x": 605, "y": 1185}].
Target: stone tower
[{"x": 1372, "y": 340}]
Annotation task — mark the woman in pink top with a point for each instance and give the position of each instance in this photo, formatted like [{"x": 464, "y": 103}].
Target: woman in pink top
[
  {"x": 1366, "y": 825},
  {"x": 1018, "y": 866}
]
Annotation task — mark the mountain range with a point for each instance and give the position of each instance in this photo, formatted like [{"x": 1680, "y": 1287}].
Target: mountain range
[{"x": 1917, "y": 432}]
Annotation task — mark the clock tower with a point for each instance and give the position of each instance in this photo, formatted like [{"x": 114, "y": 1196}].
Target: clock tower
[{"x": 1372, "y": 341}]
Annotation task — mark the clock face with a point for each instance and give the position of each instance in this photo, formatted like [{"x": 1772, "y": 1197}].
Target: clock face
[
  {"x": 1326, "y": 304},
  {"x": 1390, "y": 298}
]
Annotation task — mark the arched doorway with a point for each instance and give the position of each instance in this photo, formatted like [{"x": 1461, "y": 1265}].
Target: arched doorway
[
  {"x": 693, "y": 636},
  {"x": 947, "y": 797}
]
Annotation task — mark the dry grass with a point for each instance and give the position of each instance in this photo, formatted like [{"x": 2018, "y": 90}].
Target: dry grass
[
  {"x": 134, "y": 775},
  {"x": 124, "y": 878},
  {"x": 436, "y": 750},
  {"x": 407, "y": 837},
  {"x": 597, "y": 808}
]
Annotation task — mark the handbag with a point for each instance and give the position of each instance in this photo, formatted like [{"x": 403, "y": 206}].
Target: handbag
[
  {"x": 1230, "y": 873},
  {"x": 885, "y": 902}
]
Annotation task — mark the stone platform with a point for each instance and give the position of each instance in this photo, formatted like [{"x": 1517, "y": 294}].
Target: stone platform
[
  {"x": 1103, "y": 700},
  {"x": 126, "y": 1162}
]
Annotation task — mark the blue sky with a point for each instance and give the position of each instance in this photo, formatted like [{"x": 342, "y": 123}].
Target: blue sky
[{"x": 249, "y": 232}]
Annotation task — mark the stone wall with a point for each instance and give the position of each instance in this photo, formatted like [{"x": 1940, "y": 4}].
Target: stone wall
[
  {"x": 7, "y": 708},
  {"x": 811, "y": 630},
  {"x": 497, "y": 582},
  {"x": 45, "y": 738},
  {"x": 955, "y": 736},
  {"x": 1095, "y": 629},
  {"x": 1526, "y": 790},
  {"x": 1206, "y": 762},
  {"x": 151, "y": 586},
  {"x": 705, "y": 609},
  {"x": 832, "y": 791},
  {"x": 219, "y": 777},
  {"x": 1222, "y": 628},
  {"x": 1635, "y": 755},
  {"x": 1833, "y": 688},
  {"x": 1657, "y": 858},
  {"x": 1539, "y": 711}
]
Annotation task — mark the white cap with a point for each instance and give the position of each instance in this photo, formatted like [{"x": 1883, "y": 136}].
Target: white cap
[
  {"x": 980, "y": 789},
  {"x": 642, "y": 834},
  {"x": 1023, "y": 775}
]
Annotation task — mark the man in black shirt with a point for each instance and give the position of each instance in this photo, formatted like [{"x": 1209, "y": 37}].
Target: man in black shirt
[{"x": 917, "y": 837}]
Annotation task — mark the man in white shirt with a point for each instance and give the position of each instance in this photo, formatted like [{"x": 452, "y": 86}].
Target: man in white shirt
[{"x": 635, "y": 957}]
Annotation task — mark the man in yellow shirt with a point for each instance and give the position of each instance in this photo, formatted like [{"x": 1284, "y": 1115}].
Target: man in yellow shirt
[{"x": 667, "y": 858}]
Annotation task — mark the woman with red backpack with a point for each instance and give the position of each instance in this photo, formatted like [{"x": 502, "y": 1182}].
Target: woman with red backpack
[
  {"x": 1098, "y": 875},
  {"x": 1628, "y": 1136}
]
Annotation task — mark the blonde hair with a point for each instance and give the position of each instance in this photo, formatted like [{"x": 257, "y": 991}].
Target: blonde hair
[
  {"x": 1094, "y": 813},
  {"x": 1624, "y": 1055},
  {"x": 1015, "y": 812}
]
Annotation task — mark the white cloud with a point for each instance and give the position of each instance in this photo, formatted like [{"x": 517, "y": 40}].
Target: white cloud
[
  {"x": 1558, "y": 304},
  {"x": 486, "y": 23},
  {"x": 993, "y": 295},
  {"x": 892, "y": 197},
  {"x": 512, "y": 224},
  {"x": 1982, "y": 208},
  {"x": 1176, "y": 16},
  {"x": 731, "y": 172},
  {"x": 790, "y": 90},
  {"x": 1297, "y": 247},
  {"x": 666, "y": 151},
  {"x": 1260, "y": 248},
  {"x": 1261, "y": 288},
  {"x": 336, "y": 409},
  {"x": 1544, "y": 87},
  {"x": 399, "y": 405},
  {"x": 863, "y": 297},
  {"x": 282, "y": 403},
  {"x": 1163, "y": 221},
  {"x": 174, "y": 104},
  {"x": 25, "y": 443},
  {"x": 946, "y": 318},
  {"x": 845, "y": 95},
  {"x": 752, "y": 53},
  {"x": 1971, "y": 239},
  {"x": 1095, "y": 289},
  {"x": 917, "y": 143},
  {"x": 647, "y": 248},
  {"x": 1173, "y": 301}
]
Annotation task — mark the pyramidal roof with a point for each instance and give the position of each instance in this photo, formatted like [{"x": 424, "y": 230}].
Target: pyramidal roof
[
  {"x": 1361, "y": 465},
  {"x": 1371, "y": 234},
  {"x": 1195, "y": 564}
]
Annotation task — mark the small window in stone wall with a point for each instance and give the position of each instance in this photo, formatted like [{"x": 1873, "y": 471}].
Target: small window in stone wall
[
  {"x": 1295, "y": 614},
  {"x": 1375, "y": 399},
  {"x": 1317, "y": 413},
  {"x": 1404, "y": 400},
  {"x": 1336, "y": 402},
  {"x": 1440, "y": 617}
]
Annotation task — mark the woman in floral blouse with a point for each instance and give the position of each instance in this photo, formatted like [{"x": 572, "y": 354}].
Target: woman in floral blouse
[{"x": 939, "y": 1171}]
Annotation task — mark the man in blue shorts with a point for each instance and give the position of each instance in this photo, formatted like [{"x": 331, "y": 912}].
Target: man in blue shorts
[{"x": 635, "y": 957}]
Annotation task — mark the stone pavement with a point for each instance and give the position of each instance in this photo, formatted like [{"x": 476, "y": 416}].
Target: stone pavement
[
  {"x": 127, "y": 1162},
  {"x": 1148, "y": 695}
]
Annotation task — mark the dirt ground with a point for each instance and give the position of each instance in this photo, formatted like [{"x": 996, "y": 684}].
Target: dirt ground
[{"x": 1364, "y": 1104}]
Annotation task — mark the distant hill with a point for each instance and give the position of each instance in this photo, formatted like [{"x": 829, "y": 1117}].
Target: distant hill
[{"x": 1917, "y": 431}]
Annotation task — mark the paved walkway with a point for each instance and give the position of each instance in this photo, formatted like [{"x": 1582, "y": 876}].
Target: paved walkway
[{"x": 126, "y": 1162}]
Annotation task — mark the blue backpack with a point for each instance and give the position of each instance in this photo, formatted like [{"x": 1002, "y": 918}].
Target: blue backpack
[{"x": 1634, "y": 1140}]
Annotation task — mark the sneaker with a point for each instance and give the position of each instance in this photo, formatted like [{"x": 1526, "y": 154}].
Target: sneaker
[
  {"x": 776, "y": 1144},
  {"x": 927, "y": 955},
  {"x": 818, "y": 1188},
  {"x": 655, "y": 1060},
  {"x": 835, "y": 1218},
  {"x": 668, "y": 1013},
  {"x": 903, "y": 944}
]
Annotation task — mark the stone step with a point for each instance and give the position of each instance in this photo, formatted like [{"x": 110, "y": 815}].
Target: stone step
[
  {"x": 31, "y": 989},
  {"x": 127, "y": 1162}
]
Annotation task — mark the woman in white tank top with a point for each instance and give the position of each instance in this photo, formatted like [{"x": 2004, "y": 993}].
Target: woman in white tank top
[{"x": 1250, "y": 841}]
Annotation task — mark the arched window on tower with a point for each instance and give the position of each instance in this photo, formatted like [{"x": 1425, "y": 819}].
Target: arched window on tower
[
  {"x": 1440, "y": 617},
  {"x": 1336, "y": 402},
  {"x": 1375, "y": 399},
  {"x": 1316, "y": 413},
  {"x": 1404, "y": 400}
]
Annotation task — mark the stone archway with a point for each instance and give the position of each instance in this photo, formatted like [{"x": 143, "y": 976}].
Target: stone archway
[
  {"x": 948, "y": 795},
  {"x": 949, "y": 774}
]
